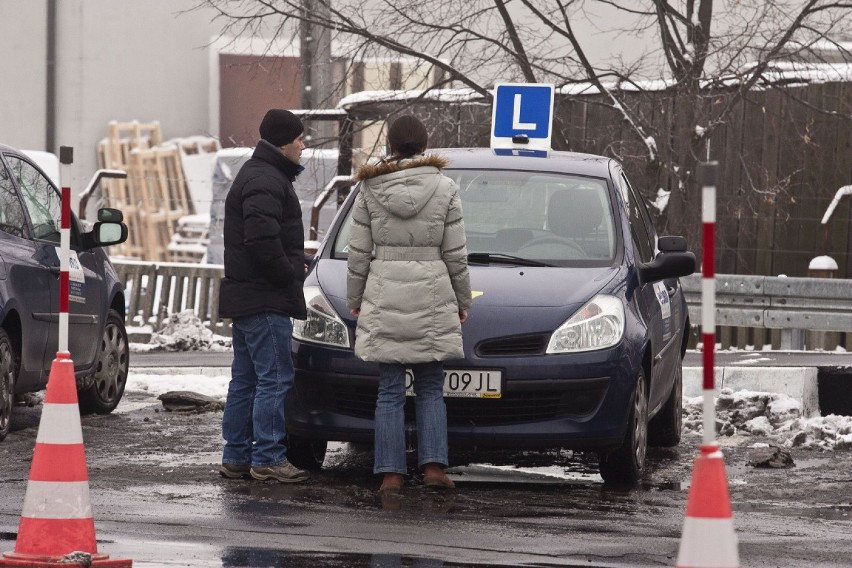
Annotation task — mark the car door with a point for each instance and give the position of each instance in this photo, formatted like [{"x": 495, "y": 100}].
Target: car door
[
  {"x": 25, "y": 281},
  {"x": 43, "y": 205},
  {"x": 654, "y": 301}
]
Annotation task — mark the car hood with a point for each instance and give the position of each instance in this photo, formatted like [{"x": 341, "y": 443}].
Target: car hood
[{"x": 505, "y": 286}]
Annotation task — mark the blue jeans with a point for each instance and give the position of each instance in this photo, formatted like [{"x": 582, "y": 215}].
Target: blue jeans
[
  {"x": 261, "y": 375},
  {"x": 390, "y": 417}
]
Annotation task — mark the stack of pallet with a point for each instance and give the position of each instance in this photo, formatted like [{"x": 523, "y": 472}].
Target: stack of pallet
[{"x": 154, "y": 195}]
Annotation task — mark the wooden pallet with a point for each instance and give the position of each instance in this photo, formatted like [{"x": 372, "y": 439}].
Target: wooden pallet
[{"x": 154, "y": 195}]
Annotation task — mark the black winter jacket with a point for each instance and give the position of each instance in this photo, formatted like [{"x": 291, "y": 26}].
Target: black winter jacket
[{"x": 264, "y": 239}]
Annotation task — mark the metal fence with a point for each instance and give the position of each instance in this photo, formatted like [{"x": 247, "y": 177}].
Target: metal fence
[{"x": 757, "y": 311}]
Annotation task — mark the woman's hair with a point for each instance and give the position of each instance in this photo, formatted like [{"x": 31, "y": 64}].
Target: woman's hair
[{"x": 407, "y": 136}]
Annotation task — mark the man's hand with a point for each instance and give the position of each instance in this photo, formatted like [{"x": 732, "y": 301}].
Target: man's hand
[
  {"x": 462, "y": 316},
  {"x": 355, "y": 312}
]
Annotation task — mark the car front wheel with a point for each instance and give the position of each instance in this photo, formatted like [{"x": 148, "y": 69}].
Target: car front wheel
[
  {"x": 664, "y": 429},
  {"x": 110, "y": 377},
  {"x": 8, "y": 372},
  {"x": 625, "y": 464}
]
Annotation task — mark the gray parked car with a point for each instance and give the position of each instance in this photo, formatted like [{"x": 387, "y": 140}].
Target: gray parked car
[{"x": 30, "y": 215}]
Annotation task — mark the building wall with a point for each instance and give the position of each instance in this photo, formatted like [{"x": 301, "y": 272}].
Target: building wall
[{"x": 124, "y": 61}]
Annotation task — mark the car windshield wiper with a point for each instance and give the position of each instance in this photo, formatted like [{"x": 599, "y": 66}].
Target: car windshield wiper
[{"x": 500, "y": 258}]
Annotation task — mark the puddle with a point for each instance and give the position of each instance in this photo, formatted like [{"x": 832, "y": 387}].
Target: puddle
[
  {"x": 825, "y": 512},
  {"x": 488, "y": 473}
]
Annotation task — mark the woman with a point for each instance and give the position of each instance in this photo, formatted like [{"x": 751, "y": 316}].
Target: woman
[{"x": 410, "y": 297}]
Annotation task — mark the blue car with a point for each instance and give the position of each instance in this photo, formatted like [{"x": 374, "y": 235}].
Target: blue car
[
  {"x": 30, "y": 240},
  {"x": 576, "y": 335}
]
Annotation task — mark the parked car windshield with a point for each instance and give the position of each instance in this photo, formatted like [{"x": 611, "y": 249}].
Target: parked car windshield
[{"x": 552, "y": 218}]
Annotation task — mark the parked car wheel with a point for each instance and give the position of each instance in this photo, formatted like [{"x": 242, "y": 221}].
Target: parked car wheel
[
  {"x": 306, "y": 454},
  {"x": 625, "y": 464},
  {"x": 8, "y": 368},
  {"x": 110, "y": 378},
  {"x": 664, "y": 429}
]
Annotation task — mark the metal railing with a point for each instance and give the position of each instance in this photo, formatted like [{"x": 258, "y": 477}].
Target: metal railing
[
  {"x": 786, "y": 313},
  {"x": 156, "y": 290}
]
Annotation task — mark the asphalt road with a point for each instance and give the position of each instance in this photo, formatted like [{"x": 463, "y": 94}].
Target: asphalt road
[{"x": 158, "y": 501}]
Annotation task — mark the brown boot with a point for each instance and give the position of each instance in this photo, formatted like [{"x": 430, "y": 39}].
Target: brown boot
[
  {"x": 435, "y": 478},
  {"x": 392, "y": 483}
]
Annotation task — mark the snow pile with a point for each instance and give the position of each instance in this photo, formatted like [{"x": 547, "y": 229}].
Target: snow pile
[
  {"x": 183, "y": 331},
  {"x": 773, "y": 415}
]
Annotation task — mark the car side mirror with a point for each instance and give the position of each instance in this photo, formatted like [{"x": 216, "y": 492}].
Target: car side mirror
[
  {"x": 672, "y": 243},
  {"x": 673, "y": 261},
  {"x": 109, "y": 215},
  {"x": 106, "y": 234}
]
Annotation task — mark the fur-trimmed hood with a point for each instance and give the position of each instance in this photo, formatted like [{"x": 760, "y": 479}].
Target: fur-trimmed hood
[
  {"x": 403, "y": 187},
  {"x": 369, "y": 171}
]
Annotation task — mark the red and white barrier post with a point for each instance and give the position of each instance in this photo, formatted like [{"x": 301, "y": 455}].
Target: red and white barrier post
[
  {"x": 57, "y": 529},
  {"x": 708, "y": 529}
]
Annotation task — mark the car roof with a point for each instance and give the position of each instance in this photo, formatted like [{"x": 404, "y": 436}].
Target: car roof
[
  {"x": 6, "y": 148},
  {"x": 562, "y": 162}
]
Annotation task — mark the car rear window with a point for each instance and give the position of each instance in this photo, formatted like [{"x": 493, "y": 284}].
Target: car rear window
[{"x": 554, "y": 218}]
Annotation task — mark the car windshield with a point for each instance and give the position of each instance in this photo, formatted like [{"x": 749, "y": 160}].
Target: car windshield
[{"x": 550, "y": 218}]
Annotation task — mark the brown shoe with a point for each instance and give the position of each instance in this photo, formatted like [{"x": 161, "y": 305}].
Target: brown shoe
[
  {"x": 435, "y": 478},
  {"x": 283, "y": 472},
  {"x": 392, "y": 483},
  {"x": 235, "y": 471}
]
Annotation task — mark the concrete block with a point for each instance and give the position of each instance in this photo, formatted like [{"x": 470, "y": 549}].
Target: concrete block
[{"x": 799, "y": 383}]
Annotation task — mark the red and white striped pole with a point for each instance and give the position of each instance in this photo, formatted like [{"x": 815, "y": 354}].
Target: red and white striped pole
[
  {"x": 708, "y": 173},
  {"x": 66, "y": 158},
  {"x": 708, "y": 529}
]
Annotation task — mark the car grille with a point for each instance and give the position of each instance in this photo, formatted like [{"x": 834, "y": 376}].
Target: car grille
[
  {"x": 533, "y": 344},
  {"x": 518, "y": 407}
]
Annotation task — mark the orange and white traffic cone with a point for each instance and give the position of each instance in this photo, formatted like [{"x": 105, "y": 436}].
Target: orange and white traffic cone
[
  {"x": 57, "y": 527},
  {"x": 708, "y": 539}
]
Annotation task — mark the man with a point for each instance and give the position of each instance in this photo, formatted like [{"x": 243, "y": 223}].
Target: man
[{"x": 261, "y": 291}]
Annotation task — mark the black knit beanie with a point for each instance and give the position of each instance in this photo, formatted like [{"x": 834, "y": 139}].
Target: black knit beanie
[
  {"x": 280, "y": 127},
  {"x": 407, "y": 136}
]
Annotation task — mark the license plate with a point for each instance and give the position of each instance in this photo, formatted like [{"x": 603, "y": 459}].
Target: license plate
[{"x": 469, "y": 383}]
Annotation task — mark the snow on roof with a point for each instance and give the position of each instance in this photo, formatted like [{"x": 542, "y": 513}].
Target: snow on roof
[{"x": 443, "y": 95}]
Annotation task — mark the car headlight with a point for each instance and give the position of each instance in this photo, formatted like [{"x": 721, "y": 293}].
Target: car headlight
[
  {"x": 597, "y": 325},
  {"x": 323, "y": 324}
]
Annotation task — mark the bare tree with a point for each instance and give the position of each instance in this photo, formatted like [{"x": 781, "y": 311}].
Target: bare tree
[{"x": 702, "y": 61}]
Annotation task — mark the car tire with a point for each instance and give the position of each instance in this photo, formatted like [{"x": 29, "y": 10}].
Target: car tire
[
  {"x": 665, "y": 428},
  {"x": 306, "y": 454},
  {"x": 625, "y": 464},
  {"x": 110, "y": 377},
  {"x": 8, "y": 376}
]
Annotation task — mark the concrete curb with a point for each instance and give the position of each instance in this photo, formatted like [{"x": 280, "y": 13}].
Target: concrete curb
[{"x": 799, "y": 383}]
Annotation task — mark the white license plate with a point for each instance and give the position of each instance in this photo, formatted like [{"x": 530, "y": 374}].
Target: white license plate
[{"x": 472, "y": 383}]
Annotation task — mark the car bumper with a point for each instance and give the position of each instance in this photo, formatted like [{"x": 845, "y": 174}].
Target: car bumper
[{"x": 547, "y": 400}]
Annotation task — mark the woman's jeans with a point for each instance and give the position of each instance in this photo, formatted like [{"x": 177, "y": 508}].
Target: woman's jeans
[
  {"x": 390, "y": 416},
  {"x": 261, "y": 376}
]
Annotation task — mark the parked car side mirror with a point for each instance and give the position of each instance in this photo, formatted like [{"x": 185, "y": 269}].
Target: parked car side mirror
[
  {"x": 109, "y": 215},
  {"x": 673, "y": 261},
  {"x": 109, "y": 230},
  {"x": 110, "y": 233}
]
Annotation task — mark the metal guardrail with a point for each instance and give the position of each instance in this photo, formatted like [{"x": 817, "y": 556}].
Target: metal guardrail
[{"x": 788, "y": 313}]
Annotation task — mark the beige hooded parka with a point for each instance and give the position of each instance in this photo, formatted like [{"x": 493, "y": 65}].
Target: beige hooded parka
[{"x": 411, "y": 288}]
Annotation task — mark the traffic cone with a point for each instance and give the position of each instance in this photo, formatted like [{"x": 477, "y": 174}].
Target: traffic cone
[
  {"x": 57, "y": 527},
  {"x": 708, "y": 531}
]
